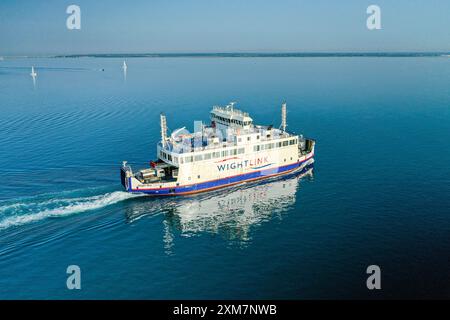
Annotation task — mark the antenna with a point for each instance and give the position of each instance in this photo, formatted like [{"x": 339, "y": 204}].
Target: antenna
[
  {"x": 283, "y": 117},
  {"x": 163, "y": 123}
]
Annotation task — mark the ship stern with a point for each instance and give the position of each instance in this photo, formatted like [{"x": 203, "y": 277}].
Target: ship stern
[{"x": 125, "y": 176}]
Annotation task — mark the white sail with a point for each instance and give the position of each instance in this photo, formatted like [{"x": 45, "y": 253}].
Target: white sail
[{"x": 33, "y": 73}]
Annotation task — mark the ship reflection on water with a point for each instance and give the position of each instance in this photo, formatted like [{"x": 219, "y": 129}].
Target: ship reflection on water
[{"x": 232, "y": 213}]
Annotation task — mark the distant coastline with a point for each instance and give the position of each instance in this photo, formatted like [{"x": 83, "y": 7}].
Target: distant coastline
[
  {"x": 259, "y": 55},
  {"x": 241, "y": 55}
]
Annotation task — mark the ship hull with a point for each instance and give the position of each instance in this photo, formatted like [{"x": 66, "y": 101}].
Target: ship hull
[{"x": 282, "y": 171}]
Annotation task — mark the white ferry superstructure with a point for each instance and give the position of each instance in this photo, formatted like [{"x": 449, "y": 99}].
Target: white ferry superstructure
[{"x": 229, "y": 151}]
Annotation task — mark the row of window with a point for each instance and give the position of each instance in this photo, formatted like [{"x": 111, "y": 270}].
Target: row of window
[
  {"x": 167, "y": 156},
  {"x": 212, "y": 155},
  {"x": 274, "y": 145},
  {"x": 225, "y": 153},
  {"x": 200, "y": 157},
  {"x": 227, "y": 120}
]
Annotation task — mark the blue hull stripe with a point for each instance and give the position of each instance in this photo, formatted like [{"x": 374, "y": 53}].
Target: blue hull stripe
[{"x": 214, "y": 184}]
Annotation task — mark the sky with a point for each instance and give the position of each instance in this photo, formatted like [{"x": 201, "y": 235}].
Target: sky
[{"x": 186, "y": 26}]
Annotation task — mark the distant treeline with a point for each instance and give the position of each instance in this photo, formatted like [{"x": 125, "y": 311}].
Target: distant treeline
[{"x": 257, "y": 55}]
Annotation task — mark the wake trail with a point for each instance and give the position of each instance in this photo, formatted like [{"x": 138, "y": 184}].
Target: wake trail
[{"x": 33, "y": 210}]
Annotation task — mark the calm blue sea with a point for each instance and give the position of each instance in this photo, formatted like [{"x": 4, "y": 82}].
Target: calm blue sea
[{"x": 379, "y": 193}]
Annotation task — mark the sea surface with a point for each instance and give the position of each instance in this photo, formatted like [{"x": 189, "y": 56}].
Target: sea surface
[{"x": 379, "y": 193}]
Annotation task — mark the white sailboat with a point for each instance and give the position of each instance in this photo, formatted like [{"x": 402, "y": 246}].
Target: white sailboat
[
  {"x": 124, "y": 67},
  {"x": 33, "y": 73}
]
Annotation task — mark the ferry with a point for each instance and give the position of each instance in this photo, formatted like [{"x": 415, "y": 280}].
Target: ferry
[{"x": 231, "y": 150}]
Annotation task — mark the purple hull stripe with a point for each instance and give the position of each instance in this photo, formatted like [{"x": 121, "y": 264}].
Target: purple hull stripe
[{"x": 203, "y": 186}]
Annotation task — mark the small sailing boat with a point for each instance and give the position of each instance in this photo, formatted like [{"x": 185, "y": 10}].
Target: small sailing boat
[
  {"x": 33, "y": 73},
  {"x": 124, "y": 66}
]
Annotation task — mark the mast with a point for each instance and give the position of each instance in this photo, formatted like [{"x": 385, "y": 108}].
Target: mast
[
  {"x": 163, "y": 123},
  {"x": 283, "y": 116}
]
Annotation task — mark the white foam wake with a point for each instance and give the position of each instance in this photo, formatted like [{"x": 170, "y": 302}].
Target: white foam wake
[{"x": 60, "y": 208}]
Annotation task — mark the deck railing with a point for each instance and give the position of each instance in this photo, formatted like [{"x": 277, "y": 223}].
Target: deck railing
[{"x": 198, "y": 144}]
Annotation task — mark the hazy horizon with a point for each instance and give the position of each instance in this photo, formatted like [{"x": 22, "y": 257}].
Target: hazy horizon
[{"x": 237, "y": 54}]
